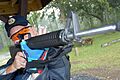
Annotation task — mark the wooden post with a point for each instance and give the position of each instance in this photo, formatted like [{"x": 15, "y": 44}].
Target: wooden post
[
  {"x": 4, "y": 18},
  {"x": 23, "y": 7},
  {"x": 76, "y": 51}
]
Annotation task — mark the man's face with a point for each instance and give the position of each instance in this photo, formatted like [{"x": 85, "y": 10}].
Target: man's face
[{"x": 24, "y": 31}]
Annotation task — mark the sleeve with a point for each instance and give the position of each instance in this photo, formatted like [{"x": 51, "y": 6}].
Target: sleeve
[
  {"x": 3, "y": 71},
  {"x": 3, "y": 75}
]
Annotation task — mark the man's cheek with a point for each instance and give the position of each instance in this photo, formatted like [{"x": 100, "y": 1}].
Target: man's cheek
[
  {"x": 26, "y": 37},
  {"x": 33, "y": 32}
]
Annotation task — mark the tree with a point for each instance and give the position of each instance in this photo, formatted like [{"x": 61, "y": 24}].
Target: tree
[
  {"x": 4, "y": 40},
  {"x": 91, "y": 12}
]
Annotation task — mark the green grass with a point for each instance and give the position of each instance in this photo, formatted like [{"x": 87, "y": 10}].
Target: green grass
[
  {"x": 94, "y": 56},
  {"x": 4, "y": 50}
]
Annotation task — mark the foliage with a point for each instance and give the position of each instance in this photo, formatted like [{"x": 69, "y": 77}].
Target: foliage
[
  {"x": 4, "y": 40},
  {"x": 91, "y": 12},
  {"x": 4, "y": 50},
  {"x": 46, "y": 17}
]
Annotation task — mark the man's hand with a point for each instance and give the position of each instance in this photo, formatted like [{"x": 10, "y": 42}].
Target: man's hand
[{"x": 19, "y": 62}]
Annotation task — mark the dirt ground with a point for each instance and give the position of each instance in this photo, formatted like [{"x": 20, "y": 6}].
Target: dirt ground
[{"x": 98, "y": 74}]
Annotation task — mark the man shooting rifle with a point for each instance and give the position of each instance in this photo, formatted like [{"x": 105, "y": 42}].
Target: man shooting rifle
[{"x": 25, "y": 63}]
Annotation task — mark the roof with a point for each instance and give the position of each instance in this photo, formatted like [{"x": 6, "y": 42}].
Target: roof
[{"x": 11, "y": 7}]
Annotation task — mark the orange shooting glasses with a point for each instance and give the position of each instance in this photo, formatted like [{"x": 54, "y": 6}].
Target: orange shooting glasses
[{"x": 17, "y": 36}]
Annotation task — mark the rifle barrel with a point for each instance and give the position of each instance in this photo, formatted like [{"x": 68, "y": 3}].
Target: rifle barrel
[{"x": 91, "y": 32}]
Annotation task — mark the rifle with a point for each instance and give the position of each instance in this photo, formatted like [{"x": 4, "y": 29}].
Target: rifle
[{"x": 65, "y": 36}]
